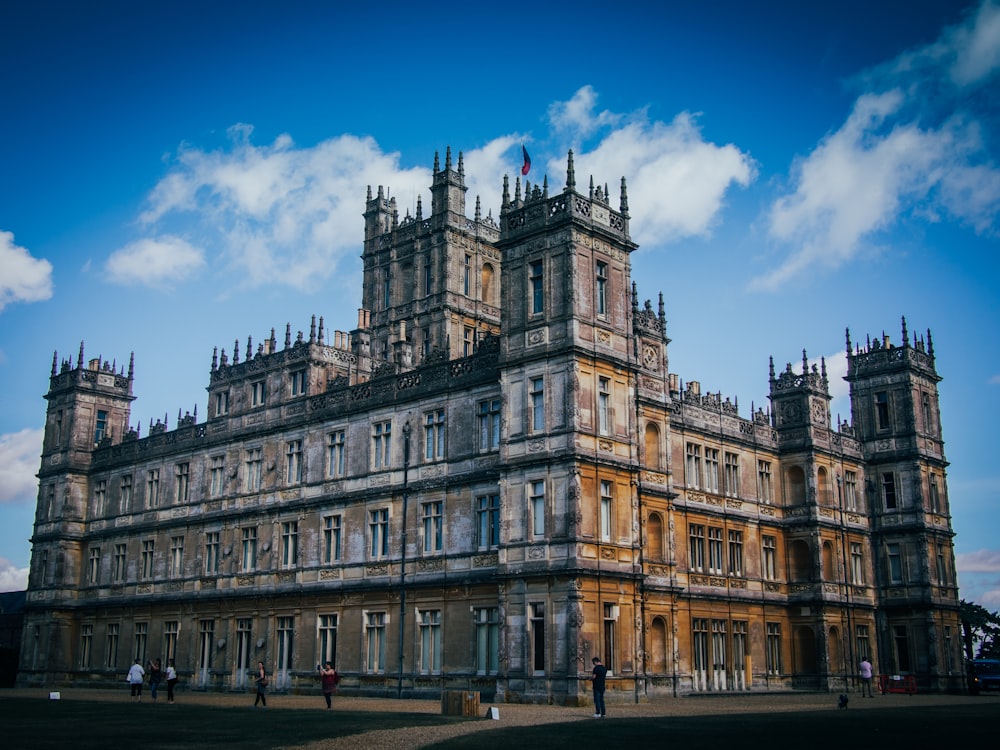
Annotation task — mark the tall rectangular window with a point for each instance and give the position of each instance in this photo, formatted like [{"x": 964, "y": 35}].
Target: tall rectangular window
[
  {"x": 488, "y": 521},
  {"x": 773, "y": 648},
  {"x": 331, "y": 538},
  {"x": 86, "y": 644},
  {"x": 258, "y": 393},
  {"x": 607, "y": 501},
  {"x": 925, "y": 411},
  {"x": 610, "y": 643},
  {"x": 289, "y": 544},
  {"x": 141, "y": 639},
  {"x": 182, "y": 473},
  {"x": 601, "y": 291},
  {"x": 604, "y": 406},
  {"x": 327, "y": 639},
  {"x": 94, "y": 566},
  {"x": 375, "y": 623},
  {"x": 489, "y": 424},
  {"x": 378, "y": 528},
  {"x": 293, "y": 462},
  {"x": 889, "y": 490},
  {"x": 221, "y": 403},
  {"x": 381, "y": 444},
  {"x": 211, "y": 553},
  {"x": 218, "y": 475},
  {"x": 120, "y": 562},
  {"x": 537, "y": 503},
  {"x": 882, "y": 410},
  {"x": 537, "y": 283},
  {"x": 206, "y": 645},
  {"x": 298, "y": 384},
  {"x": 537, "y": 396},
  {"x": 100, "y": 426},
  {"x": 732, "y": 475},
  {"x": 176, "y": 556},
  {"x": 935, "y": 496},
  {"x": 487, "y": 621},
  {"x": 711, "y": 470},
  {"x": 146, "y": 564},
  {"x": 253, "y": 469},
  {"x": 336, "y": 453},
  {"x": 942, "y": 568},
  {"x": 537, "y": 632},
  {"x": 863, "y": 642},
  {"x": 769, "y": 559},
  {"x": 895, "y": 561},
  {"x": 851, "y": 490},
  {"x": 171, "y": 629},
  {"x": 468, "y": 343},
  {"x": 248, "y": 556},
  {"x": 432, "y": 523},
  {"x": 735, "y": 553},
  {"x": 111, "y": 653},
  {"x": 427, "y": 278},
  {"x": 429, "y": 625},
  {"x": 101, "y": 498},
  {"x": 857, "y": 564},
  {"x": 715, "y": 550},
  {"x": 467, "y": 276},
  {"x": 286, "y": 644},
  {"x": 693, "y": 466},
  {"x": 125, "y": 494},
  {"x": 434, "y": 435},
  {"x": 152, "y": 488},
  {"x": 765, "y": 486},
  {"x": 696, "y": 547}
]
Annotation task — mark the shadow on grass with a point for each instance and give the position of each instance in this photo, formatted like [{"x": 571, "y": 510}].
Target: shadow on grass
[
  {"x": 889, "y": 728},
  {"x": 38, "y": 724}
]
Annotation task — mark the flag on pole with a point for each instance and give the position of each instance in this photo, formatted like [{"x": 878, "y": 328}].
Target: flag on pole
[{"x": 527, "y": 160}]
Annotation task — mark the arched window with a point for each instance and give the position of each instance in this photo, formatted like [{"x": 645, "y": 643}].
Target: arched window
[
  {"x": 652, "y": 446},
  {"x": 654, "y": 536},
  {"x": 658, "y": 646},
  {"x": 489, "y": 285},
  {"x": 823, "y": 487},
  {"x": 829, "y": 563}
]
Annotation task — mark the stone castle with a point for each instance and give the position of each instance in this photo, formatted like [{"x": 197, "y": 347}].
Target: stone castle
[{"x": 493, "y": 478}]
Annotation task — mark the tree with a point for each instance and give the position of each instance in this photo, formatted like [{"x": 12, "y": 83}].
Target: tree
[{"x": 982, "y": 627}]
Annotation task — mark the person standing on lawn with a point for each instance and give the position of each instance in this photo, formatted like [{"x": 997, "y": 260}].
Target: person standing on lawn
[{"x": 597, "y": 678}]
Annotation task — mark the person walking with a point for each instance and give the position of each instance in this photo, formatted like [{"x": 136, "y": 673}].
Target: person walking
[
  {"x": 155, "y": 675},
  {"x": 865, "y": 669},
  {"x": 171, "y": 681},
  {"x": 597, "y": 678},
  {"x": 261, "y": 686},
  {"x": 135, "y": 675},
  {"x": 329, "y": 679}
]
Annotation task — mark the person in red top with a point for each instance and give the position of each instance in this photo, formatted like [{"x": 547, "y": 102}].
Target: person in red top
[{"x": 330, "y": 679}]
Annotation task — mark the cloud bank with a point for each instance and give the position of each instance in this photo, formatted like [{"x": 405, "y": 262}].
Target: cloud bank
[
  {"x": 24, "y": 277},
  {"x": 914, "y": 144}
]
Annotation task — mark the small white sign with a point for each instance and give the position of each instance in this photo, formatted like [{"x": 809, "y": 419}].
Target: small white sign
[
  {"x": 494, "y": 713},
  {"x": 54, "y": 696}
]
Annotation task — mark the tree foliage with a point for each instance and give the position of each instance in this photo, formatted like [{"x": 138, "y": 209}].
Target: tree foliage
[{"x": 980, "y": 627}]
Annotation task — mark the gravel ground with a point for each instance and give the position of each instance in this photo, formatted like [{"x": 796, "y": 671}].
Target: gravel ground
[{"x": 512, "y": 715}]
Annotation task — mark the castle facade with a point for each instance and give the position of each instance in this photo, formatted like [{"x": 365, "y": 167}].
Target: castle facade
[{"x": 493, "y": 478}]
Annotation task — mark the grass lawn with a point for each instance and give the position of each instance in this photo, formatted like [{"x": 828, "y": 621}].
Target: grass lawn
[
  {"x": 38, "y": 724},
  {"x": 925, "y": 728}
]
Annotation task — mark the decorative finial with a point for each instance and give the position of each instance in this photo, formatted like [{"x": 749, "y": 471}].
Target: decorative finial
[
  {"x": 79, "y": 359},
  {"x": 288, "y": 335},
  {"x": 236, "y": 351},
  {"x": 320, "y": 335},
  {"x": 771, "y": 366},
  {"x": 623, "y": 207},
  {"x": 215, "y": 358},
  {"x": 906, "y": 336},
  {"x": 570, "y": 172},
  {"x": 505, "y": 201},
  {"x": 461, "y": 165},
  {"x": 479, "y": 210},
  {"x": 437, "y": 163},
  {"x": 420, "y": 209},
  {"x": 545, "y": 186},
  {"x": 55, "y": 359},
  {"x": 847, "y": 336},
  {"x": 312, "y": 330},
  {"x": 447, "y": 159},
  {"x": 805, "y": 363},
  {"x": 930, "y": 343}
]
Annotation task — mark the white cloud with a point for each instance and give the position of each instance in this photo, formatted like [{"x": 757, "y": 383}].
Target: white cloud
[
  {"x": 278, "y": 213},
  {"x": 24, "y": 278},
  {"x": 980, "y": 561},
  {"x": 155, "y": 261},
  {"x": 677, "y": 181},
  {"x": 995, "y": 380},
  {"x": 911, "y": 146},
  {"x": 577, "y": 115},
  {"x": 19, "y": 461},
  {"x": 12, "y": 578}
]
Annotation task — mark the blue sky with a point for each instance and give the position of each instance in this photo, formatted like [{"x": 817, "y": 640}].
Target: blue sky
[{"x": 174, "y": 176}]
